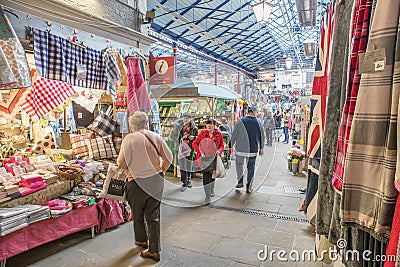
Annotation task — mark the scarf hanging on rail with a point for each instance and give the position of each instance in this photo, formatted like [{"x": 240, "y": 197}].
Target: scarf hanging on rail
[
  {"x": 57, "y": 58},
  {"x": 369, "y": 196},
  {"x": 45, "y": 96},
  {"x": 327, "y": 220},
  {"x": 137, "y": 94},
  {"x": 360, "y": 40},
  {"x": 14, "y": 69}
]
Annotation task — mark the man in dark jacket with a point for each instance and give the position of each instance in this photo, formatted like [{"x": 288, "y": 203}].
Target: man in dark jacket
[
  {"x": 185, "y": 130},
  {"x": 248, "y": 139}
]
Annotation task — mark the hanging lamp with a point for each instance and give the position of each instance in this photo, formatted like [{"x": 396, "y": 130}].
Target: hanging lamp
[
  {"x": 288, "y": 62},
  {"x": 262, "y": 11}
]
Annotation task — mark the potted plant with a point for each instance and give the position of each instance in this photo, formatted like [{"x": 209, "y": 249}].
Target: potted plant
[{"x": 296, "y": 156}]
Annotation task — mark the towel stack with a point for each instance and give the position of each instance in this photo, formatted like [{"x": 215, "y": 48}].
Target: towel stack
[
  {"x": 3, "y": 193},
  {"x": 12, "y": 219},
  {"x": 13, "y": 191},
  {"x": 36, "y": 212},
  {"x": 32, "y": 181}
]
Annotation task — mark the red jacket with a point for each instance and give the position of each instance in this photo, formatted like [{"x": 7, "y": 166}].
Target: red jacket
[{"x": 203, "y": 144}]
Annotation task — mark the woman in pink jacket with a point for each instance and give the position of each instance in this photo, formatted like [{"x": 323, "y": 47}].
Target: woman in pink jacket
[{"x": 208, "y": 144}]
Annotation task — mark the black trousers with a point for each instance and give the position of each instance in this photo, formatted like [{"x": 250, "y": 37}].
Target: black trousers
[
  {"x": 144, "y": 196},
  {"x": 208, "y": 183}
]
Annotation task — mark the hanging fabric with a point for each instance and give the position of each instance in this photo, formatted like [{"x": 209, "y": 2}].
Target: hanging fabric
[
  {"x": 360, "y": 40},
  {"x": 137, "y": 94},
  {"x": 57, "y": 58},
  {"x": 45, "y": 96},
  {"x": 14, "y": 67},
  {"x": 368, "y": 196},
  {"x": 155, "y": 117},
  {"x": 113, "y": 73},
  {"x": 87, "y": 98}
]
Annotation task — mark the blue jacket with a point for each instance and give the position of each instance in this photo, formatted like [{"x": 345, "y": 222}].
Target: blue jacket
[{"x": 247, "y": 137}]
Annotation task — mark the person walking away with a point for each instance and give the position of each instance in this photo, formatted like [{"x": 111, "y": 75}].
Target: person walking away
[
  {"x": 208, "y": 145},
  {"x": 269, "y": 125},
  {"x": 286, "y": 118},
  {"x": 248, "y": 140},
  {"x": 225, "y": 126},
  {"x": 146, "y": 157},
  {"x": 185, "y": 130}
]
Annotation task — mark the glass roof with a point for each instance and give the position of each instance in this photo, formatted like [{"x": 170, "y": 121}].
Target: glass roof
[{"x": 227, "y": 30}]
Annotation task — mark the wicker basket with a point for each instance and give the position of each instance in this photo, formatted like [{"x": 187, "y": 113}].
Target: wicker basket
[{"x": 63, "y": 173}]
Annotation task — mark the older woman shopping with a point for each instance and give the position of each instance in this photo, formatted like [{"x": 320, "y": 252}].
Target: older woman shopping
[
  {"x": 208, "y": 144},
  {"x": 140, "y": 156}
]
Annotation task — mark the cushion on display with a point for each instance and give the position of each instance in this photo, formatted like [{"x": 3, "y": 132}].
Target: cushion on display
[
  {"x": 79, "y": 146},
  {"x": 103, "y": 125},
  {"x": 43, "y": 146},
  {"x": 101, "y": 148}
]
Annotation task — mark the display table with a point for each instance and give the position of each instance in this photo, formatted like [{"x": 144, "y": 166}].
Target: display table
[
  {"x": 42, "y": 196},
  {"x": 48, "y": 230}
]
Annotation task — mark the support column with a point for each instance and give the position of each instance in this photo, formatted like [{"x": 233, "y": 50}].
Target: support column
[
  {"x": 215, "y": 73},
  {"x": 238, "y": 82},
  {"x": 175, "y": 54}
]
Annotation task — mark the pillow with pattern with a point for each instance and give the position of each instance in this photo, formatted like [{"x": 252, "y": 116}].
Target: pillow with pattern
[
  {"x": 79, "y": 146},
  {"x": 101, "y": 148},
  {"x": 103, "y": 125},
  {"x": 43, "y": 146}
]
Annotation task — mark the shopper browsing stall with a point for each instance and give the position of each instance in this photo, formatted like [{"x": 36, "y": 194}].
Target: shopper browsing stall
[
  {"x": 208, "y": 145},
  {"x": 140, "y": 155},
  {"x": 185, "y": 131}
]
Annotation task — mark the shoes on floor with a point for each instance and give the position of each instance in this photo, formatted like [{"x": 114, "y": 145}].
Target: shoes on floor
[
  {"x": 153, "y": 256},
  {"x": 249, "y": 191},
  {"x": 212, "y": 194},
  {"x": 303, "y": 190},
  {"x": 239, "y": 185},
  {"x": 183, "y": 188},
  {"x": 142, "y": 244},
  {"x": 207, "y": 201},
  {"x": 189, "y": 184}
]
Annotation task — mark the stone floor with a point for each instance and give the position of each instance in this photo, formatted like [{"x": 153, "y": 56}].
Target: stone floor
[{"x": 232, "y": 231}]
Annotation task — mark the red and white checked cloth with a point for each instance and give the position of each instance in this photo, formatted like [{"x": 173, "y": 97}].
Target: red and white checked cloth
[{"x": 45, "y": 96}]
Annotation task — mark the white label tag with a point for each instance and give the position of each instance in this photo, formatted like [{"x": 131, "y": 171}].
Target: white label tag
[
  {"x": 380, "y": 65},
  {"x": 80, "y": 115}
]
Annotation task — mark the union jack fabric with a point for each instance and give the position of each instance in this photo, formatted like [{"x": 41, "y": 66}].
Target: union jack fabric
[
  {"x": 45, "y": 96},
  {"x": 57, "y": 58},
  {"x": 320, "y": 85},
  {"x": 137, "y": 94},
  {"x": 361, "y": 25}
]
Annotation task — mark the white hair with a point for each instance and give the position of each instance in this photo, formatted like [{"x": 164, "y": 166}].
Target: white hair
[{"x": 138, "y": 121}]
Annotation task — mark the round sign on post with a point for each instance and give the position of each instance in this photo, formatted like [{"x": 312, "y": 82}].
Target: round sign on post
[{"x": 161, "y": 67}]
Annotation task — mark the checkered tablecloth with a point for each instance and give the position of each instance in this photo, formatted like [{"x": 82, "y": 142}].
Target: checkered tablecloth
[{"x": 45, "y": 96}]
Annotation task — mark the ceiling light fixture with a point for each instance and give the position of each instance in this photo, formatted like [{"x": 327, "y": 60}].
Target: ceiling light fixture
[
  {"x": 288, "y": 62},
  {"x": 262, "y": 11}
]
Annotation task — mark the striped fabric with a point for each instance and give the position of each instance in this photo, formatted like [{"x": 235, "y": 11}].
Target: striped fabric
[
  {"x": 58, "y": 59},
  {"x": 320, "y": 85},
  {"x": 79, "y": 146},
  {"x": 369, "y": 196},
  {"x": 137, "y": 94},
  {"x": 45, "y": 96},
  {"x": 113, "y": 72},
  {"x": 360, "y": 40},
  {"x": 103, "y": 125}
]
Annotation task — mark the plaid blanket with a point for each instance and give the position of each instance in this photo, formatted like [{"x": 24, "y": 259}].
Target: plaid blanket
[
  {"x": 360, "y": 40},
  {"x": 369, "y": 196}
]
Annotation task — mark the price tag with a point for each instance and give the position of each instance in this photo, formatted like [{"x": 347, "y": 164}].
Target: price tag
[
  {"x": 80, "y": 115},
  {"x": 380, "y": 65}
]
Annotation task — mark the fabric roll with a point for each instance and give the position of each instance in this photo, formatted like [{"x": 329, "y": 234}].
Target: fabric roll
[
  {"x": 337, "y": 84},
  {"x": 137, "y": 94},
  {"x": 368, "y": 196},
  {"x": 360, "y": 40}
]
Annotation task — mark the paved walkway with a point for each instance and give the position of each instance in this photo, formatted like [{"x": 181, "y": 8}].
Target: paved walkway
[{"x": 229, "y": 232}]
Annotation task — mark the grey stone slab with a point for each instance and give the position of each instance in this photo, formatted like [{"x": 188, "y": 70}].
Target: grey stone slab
[
  {"x": 271, "y": 237},
  {"x": 239, "y": 264},
  {"x": 248, "y": 220},
  {"x": 231, "y": 229},
  {"x": 262, "y": 206},
  {"x": 285, "y": 201},
  {"x": 256, "y": 197},
  {"x": 186, "y": 257},
  {"x": 272, "y": 190},
  {"x": 304, "y": 242},
  {"x": 194, "y": 240},
  {"x": 298, "y": 228},
  {"x": 290, "y": 210},
  {"x": 230, "y": 202},
  {"x": 238, "y": 250}
]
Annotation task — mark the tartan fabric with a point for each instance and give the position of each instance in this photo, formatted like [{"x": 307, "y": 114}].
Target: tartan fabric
[
  {"x": 137, "y": 94},
  {"x": 113, "y": 73},
  {"x": 45, "y": 96},
  {"x": 121, "y": 66},
  {"x": 103, "y": 125},
  {"x": 101, "y": 148},
  {"x": 79, "y": 146},
  {"x": 320, "y": 85},
  {"x": 368, "y": 194},
  {"x": 360, "y": 39},
  {"x": 58, "y": 59}
]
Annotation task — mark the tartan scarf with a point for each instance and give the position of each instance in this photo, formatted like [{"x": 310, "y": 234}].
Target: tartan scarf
[
  {"x": 360, "y": 40},
  {"x": 369, "y": 196}
]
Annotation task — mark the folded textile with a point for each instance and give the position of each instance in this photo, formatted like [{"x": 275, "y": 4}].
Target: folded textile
[
  {"x": 17, "y": 218},
  {"x": 3, "y": 233},
  {"x": 9, "y": 212},
  {"x": 26, "y": 191}
]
